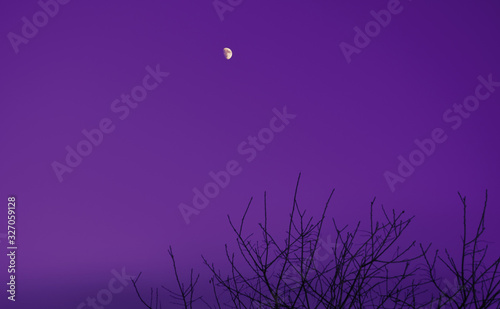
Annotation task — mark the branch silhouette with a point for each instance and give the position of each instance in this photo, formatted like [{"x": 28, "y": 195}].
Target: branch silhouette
[{"x": 364, "y": 269}]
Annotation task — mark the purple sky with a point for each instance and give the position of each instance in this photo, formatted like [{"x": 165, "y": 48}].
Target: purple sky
[{"x": 120, "y": 206}]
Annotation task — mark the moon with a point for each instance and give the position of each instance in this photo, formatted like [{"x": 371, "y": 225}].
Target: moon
[{"x": 228, "y": 53}]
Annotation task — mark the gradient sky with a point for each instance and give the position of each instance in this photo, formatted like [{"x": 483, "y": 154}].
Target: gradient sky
[{"x": 119, "y": 207}]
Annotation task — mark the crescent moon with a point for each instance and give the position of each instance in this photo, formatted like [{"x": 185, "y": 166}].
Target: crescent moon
[{"x": 228, "y": 53}]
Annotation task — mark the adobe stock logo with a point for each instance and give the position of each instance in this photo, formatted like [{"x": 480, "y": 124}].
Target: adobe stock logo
[
  {"x": 372, "y": 29},
  {"x": 292, "y": 275},
  {"x": 29, "y": 29},
  {"x": 95, "y": 136},
  {"x": 223, "y": 6},
  {"x": 427, "y": 147},
  {"x": 250, "y": 149},
  {"x": 104, "y": 296}
]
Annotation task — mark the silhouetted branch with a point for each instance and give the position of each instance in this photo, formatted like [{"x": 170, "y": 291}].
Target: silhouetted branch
[{"x": 363, "y": 268}]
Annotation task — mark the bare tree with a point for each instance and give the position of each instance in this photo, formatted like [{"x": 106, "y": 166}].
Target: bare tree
[
  {"x": 185, "y": 297},
  {"x": 476, "y": 281},
  {"x": 366, "y": 268}
]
